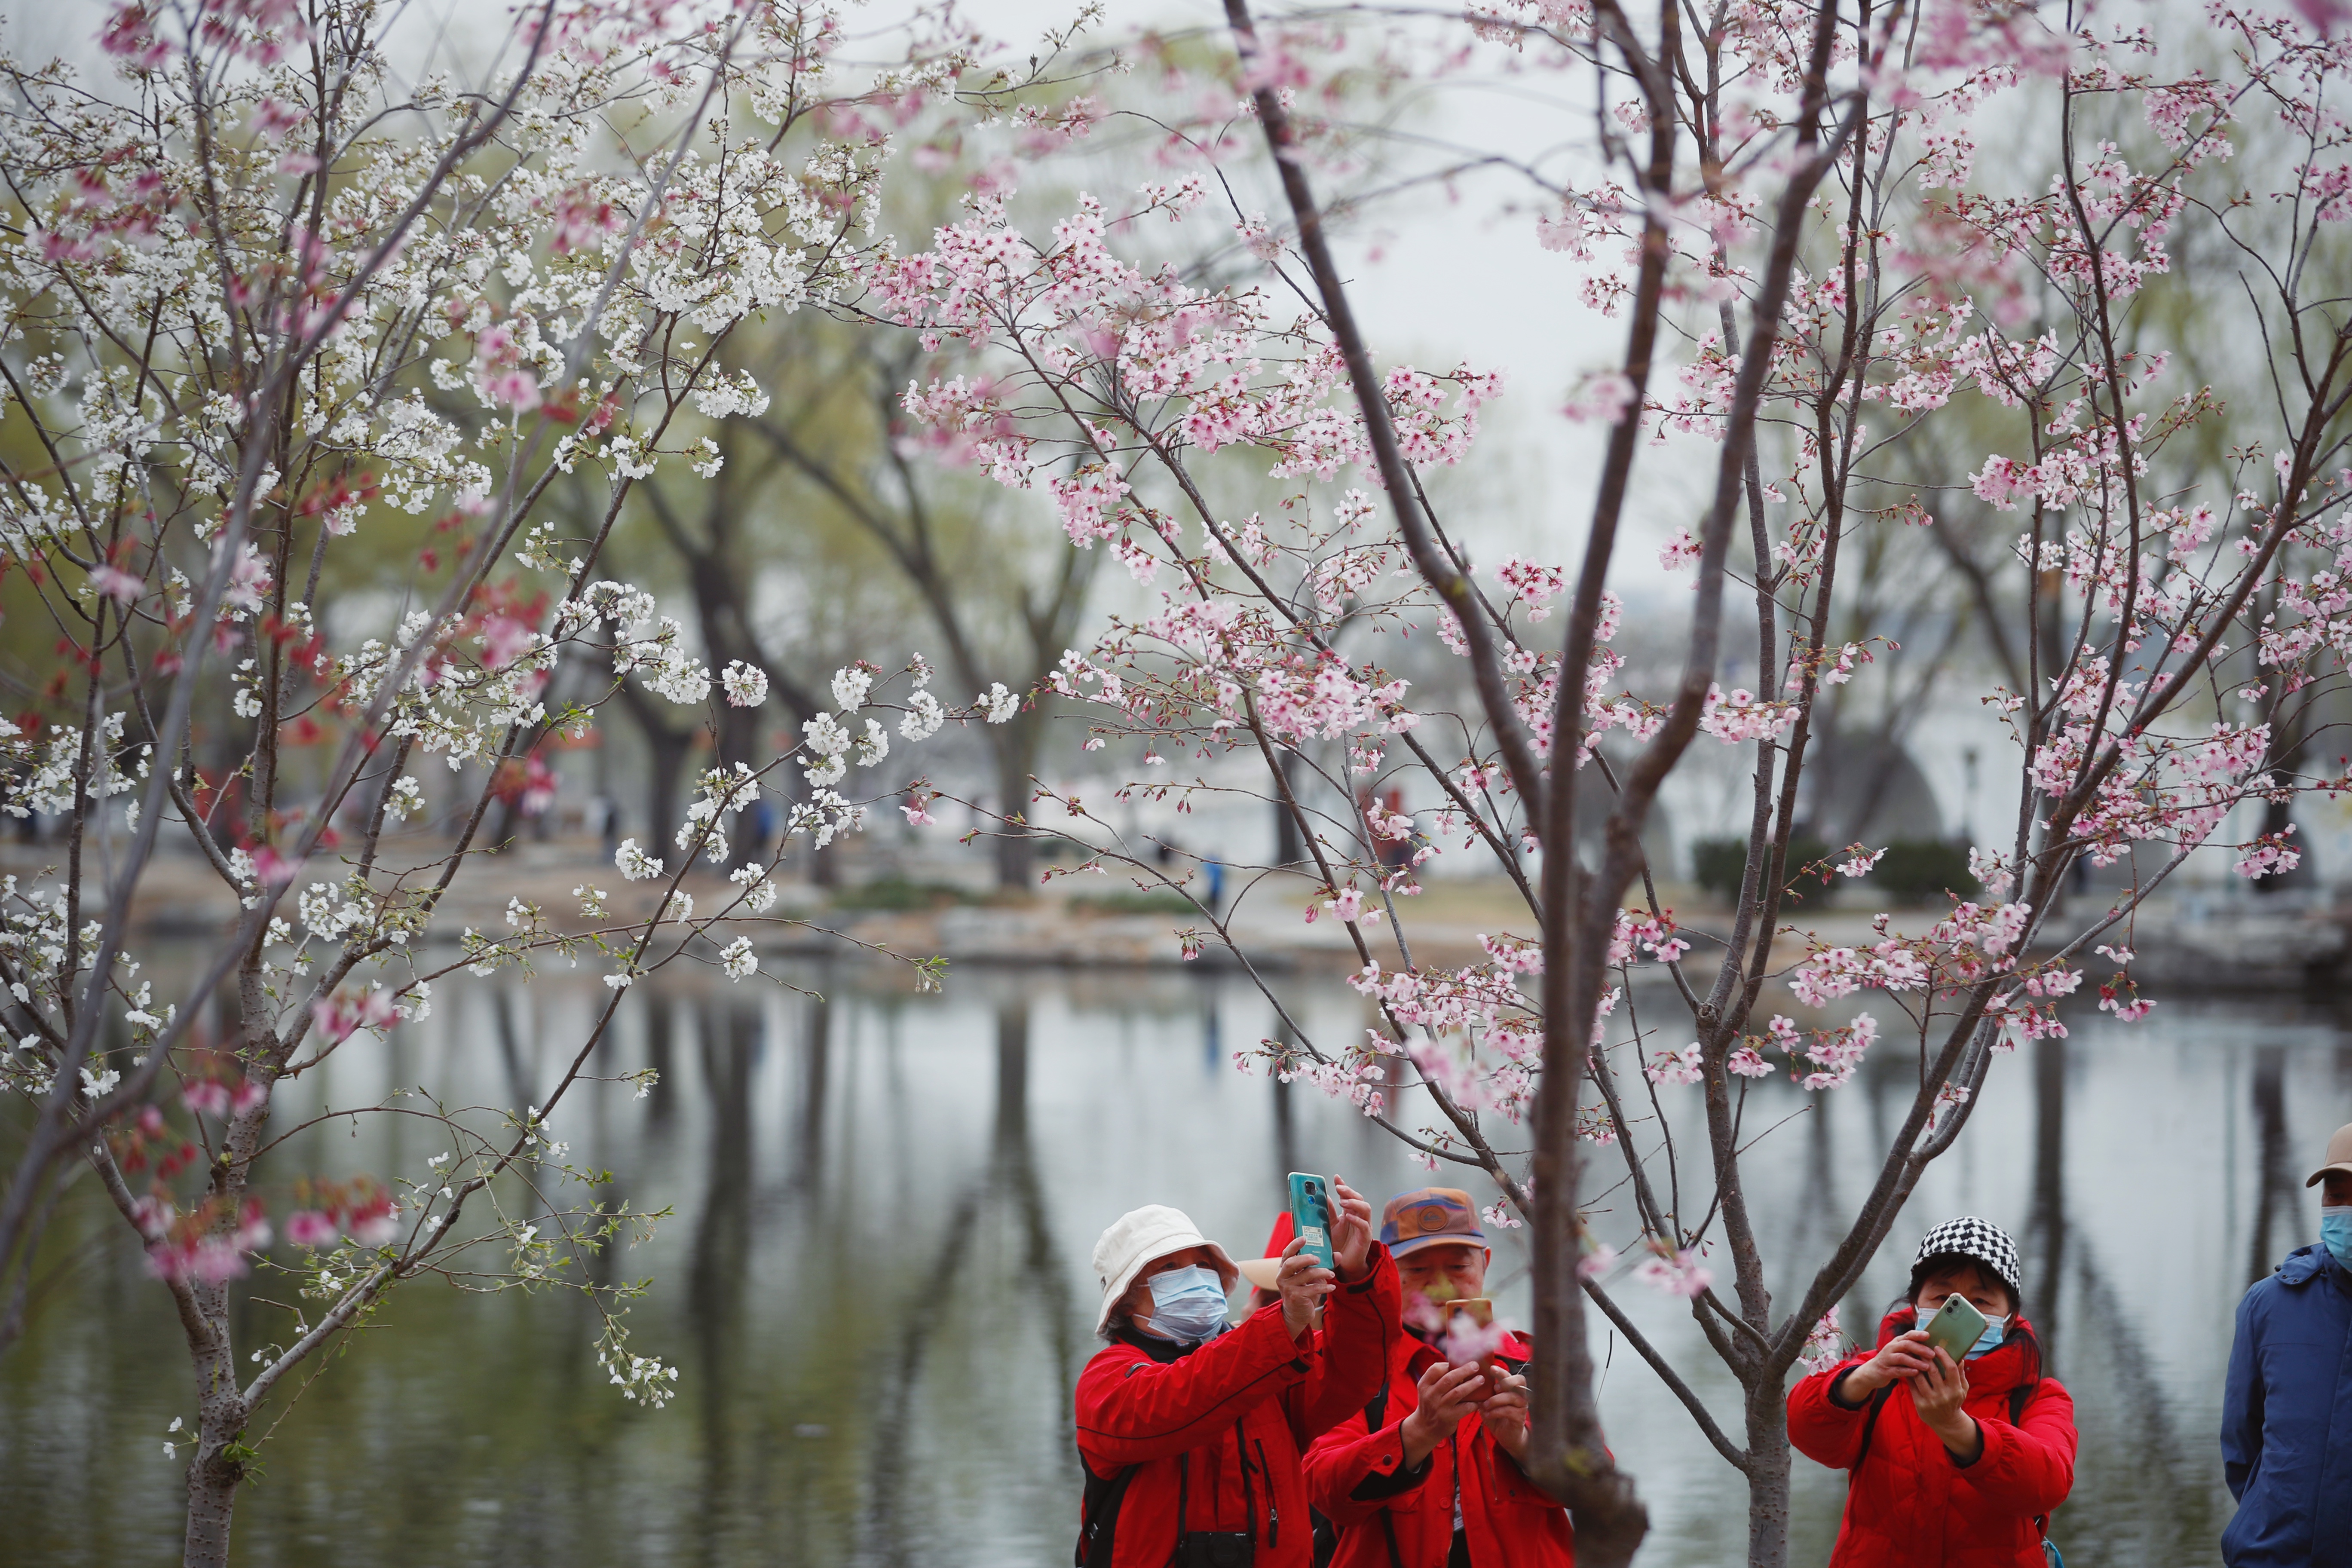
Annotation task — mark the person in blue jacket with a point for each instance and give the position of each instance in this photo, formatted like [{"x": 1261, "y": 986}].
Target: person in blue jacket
[{"x": 2286, "y": 1416}]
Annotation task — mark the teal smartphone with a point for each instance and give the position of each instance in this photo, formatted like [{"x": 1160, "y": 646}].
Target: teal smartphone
[
  {"x": 1956, "y": 1328},
  {"x": 1310, "y": 1216}
]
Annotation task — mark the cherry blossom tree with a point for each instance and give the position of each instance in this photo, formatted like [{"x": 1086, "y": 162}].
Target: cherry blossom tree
[
  {"x": 1789, "y": 194},
  {"x": 278, "y": 315}
]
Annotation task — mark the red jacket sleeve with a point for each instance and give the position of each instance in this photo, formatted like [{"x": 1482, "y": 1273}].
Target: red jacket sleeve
[
  {"x": 1360, "y": 1321},
  {"x": 2028, "y": 1468},
  {"x": 1822, "y": 1429},
  {"x": 1346, "y": 1458},
  {"x": 1508, "y": 1483},
  {"x": 1131, "y": 1408}
]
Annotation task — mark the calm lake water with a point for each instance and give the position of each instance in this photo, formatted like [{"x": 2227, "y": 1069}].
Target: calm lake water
[{"x": 875, "y": 1286}]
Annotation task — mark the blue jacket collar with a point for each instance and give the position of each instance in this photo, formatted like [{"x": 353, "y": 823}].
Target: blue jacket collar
[{"x": 2306, "y": 1264}]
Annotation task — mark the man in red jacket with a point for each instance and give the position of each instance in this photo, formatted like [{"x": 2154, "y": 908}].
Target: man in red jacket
[
  {"x": 1192, "y": 1431},
  {"x": 1427, "y": 1475}
]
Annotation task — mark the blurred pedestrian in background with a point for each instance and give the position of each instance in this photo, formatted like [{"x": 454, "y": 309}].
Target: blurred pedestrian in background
[
  {"x": 1193, "y": 1430},
  {"x": 1953, "y": 1464},
  {"x": 1427, "y": 1474},
  {"x": 2287, "y": 1412}
]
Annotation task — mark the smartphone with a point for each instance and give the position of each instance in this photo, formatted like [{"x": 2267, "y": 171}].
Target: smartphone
[
  {"x": 1479, "y": 1309},
  {"x": 1956, "y": 1328},
  {"x": 1310, "y": 1216}
]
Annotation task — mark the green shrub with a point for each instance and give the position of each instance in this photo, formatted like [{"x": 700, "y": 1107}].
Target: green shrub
[
  {"x": 1720, "y": 865},
  {"x": 898, "y": 893},
  {"x": 1136, "y": 903},
  {"x": 1921, "y": 870}
]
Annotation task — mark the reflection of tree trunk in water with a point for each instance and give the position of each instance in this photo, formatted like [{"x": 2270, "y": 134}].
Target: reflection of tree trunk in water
[
  {"x": 1012, "y": 1173},
  {"x": 816, "y": 1063},
  {"x": 1011, "y": 1074},
  {"x": 1017, "y": 1173},
  {"x": 721, "y": 1261},
  {"x": 2179, "y": 1481},
  {"x": 2275, "y": 1185},
  {"x": 658, "y": 1026},
  {"x": 2048, "y": 1226},
  {"x": 890, "y": 1468}
]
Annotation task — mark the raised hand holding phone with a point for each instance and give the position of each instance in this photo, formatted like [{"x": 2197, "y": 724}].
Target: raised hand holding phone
[
  {"x": 1444, "y": 1395},
  {"x": 1503, "y": 1412},
  {"x": 1905, "y": 1356},
  {"x": 1352, "y": 1230},
  {"x": 1941, "y": 1394},
  {"x": 1302, "y": 1282}
]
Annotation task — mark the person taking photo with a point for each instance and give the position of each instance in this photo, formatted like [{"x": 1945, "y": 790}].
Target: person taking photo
[
  {"x": 1958, "y": 1463},
  {"x": 1426, "y": 1474},
  {"x": 1193, "y": 1430}
]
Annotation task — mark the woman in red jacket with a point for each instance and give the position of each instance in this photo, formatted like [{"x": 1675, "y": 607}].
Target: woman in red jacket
[
  {"x": 1191, "y": 1430},
  {"x": 1954, "y": 1465}
]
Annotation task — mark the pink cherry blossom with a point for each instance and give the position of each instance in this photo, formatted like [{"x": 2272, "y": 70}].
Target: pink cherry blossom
[{"x": 1681, "y": 1274}]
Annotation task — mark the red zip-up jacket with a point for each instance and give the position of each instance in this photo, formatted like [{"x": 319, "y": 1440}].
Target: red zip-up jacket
[
  {"x": 1222, "y": 1428},
  {"x": 1356, "y": 1474},
  {"x": 1911, "y": 1504}
]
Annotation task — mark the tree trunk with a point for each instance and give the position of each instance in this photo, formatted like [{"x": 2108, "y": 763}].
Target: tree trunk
[
  {"x": 212, "y": 1503},
  {"x": 216, "y": 1471},
  {"x": 1016, "y": 758},
  {"x": 1768, "y": 1476},
  {"x": 738, "y": 742},
  {"x": 665, "y": 752}
]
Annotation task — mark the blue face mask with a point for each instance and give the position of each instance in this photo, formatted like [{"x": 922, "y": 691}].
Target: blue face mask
[
  {"x": 1187, "y": 1305},
  {"x": 1994, "y": 1330},
  {"x": 2335, "y": 1233}
]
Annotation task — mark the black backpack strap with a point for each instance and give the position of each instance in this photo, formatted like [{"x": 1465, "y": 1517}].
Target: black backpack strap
[
  {"x": 1870, "y": 1425},
  {"x": 1098, "y": 1514}
]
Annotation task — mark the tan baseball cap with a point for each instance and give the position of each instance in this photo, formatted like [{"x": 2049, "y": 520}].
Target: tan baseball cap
[{"x": 2339, "y": 1157}]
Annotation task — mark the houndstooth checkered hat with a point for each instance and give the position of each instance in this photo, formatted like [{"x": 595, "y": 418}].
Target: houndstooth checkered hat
[{"x": 1968, "y": 1236}]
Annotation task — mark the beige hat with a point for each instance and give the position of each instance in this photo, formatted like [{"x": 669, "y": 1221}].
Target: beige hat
[
  {"x": 2339, "y": 1157},
  {"x": 1265, "y": 1273},
  {"x": 1134, "y": 1238}
]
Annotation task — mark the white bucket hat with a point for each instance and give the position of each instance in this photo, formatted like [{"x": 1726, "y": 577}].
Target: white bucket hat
[{"x": 1134, "y": 1238}]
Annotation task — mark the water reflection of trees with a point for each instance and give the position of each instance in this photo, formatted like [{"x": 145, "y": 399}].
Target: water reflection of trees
[
  {"x": 2274, "y": 1188},
  {"x": 815, "y": 1423},
  {"x": 872, "y": 1290}
]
